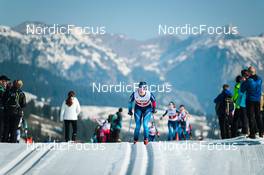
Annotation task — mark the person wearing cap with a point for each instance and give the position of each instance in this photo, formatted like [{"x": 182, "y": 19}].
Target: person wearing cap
[
  {"x": 145, "y": 105},
  {"x": 223, "y": 108},
  {"x": 3, "y": 83},
  {"x": 253, "y": 88},
  {"x": 14, "y": 102}
]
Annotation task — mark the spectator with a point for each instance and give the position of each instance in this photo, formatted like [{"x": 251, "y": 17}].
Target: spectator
[
  {"x": 3, "y": 83},
  {"x": 116, "y": 125},
  {"x": 239, "y": 99},
  {"x": 14, "y": 102},
  {"x": 262, "y": 106},
  {"x": 252, "y": 86},
  {"x": 224, "y": 109},
  {"x": 69, "y": 114}
]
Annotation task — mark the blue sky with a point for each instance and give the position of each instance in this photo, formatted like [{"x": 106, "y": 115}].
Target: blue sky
[{"x": 138, "y": 18}]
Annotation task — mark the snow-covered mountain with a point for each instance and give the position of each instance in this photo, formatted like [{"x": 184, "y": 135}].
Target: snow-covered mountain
[
  {"x": 196, "y": 66},
  {"x": 205, "y": 63}
]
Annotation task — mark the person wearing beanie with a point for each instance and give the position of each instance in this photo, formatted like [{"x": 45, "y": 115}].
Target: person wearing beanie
[{"x": 14, "y": 103}]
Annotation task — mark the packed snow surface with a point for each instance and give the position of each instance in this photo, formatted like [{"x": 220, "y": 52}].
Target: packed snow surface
[{"x": 233, "y": 156}]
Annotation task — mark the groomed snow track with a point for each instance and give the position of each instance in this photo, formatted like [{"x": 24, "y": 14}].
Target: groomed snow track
[
  {"x": 232, "y": 156},
  {"x": 26, "y": 160}
]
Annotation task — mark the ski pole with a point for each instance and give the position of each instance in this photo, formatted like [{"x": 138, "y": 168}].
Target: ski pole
[
  {"x": 155, "y": 125},
  {"x": 130, "y": 123}
]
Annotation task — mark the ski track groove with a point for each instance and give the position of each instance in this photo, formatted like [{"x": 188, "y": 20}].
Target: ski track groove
[
  {"x": 150, "y": 156},
  {"x": 15, "y": 162},
  {"x": 39, "y": 159},
  {"x": 132, "y": 159},
  {"x": 122, "y": 169},
  {"x": 28, "y": 161},
  {"x": 139, "y": 160}
]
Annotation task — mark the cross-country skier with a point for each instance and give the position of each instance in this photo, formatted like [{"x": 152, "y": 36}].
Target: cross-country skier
[
  {"x": 181, "y": 130},
  {"x": 153, "y": 132},
  {"x": 186, "y": 125},
  {"x": 171, "y": 112},
  {"x": 145, "y": 105}
]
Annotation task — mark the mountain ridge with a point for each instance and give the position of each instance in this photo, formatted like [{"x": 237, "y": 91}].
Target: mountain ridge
[{"x": 198, "y": 65}]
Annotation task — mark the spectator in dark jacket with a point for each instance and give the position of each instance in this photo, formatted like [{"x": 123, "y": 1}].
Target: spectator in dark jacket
[
  {"x": 14, "y": 102},
  {"x": 116, "y": 125},
  {"x": 221, "y": 110},
  {"x": 3, "y": 83},
  {"x": 252, "y": 86}
]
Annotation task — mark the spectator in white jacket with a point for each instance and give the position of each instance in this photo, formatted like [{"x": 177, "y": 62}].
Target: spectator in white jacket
[{"x": 70, "y": 110}]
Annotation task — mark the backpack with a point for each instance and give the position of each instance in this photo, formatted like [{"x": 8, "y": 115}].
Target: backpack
[
  {"x": 114, "y": 122},
  {"x": 13, "y": 99},
  {"x": 229, "y": 105}
]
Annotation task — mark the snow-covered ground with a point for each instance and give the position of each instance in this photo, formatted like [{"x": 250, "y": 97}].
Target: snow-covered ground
[{"x": 235, "y": 156}]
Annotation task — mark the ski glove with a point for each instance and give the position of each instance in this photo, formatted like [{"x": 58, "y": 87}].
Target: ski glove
[{"x": 154, "y": 110}]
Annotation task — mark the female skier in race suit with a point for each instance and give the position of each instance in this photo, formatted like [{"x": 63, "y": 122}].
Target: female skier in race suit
[
  {"x": 172, "y": 114},
  {"x": 145, "y": 105}
]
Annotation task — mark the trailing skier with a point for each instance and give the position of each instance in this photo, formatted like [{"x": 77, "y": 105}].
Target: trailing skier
[
  {"x": 182, "y": 128},
  {"x": 153, "y": 132},
  {"x": 185, "y": 124},
  {"x": 145, "y": 106},
  {"x": 173, "y": 122}
]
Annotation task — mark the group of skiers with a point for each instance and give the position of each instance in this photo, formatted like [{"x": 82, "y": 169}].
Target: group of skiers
[
  {"x": 178, "y": 122},
  {"x": 242, "y": 109},
  {"x": 144, "y": 109},
  {"x": 144, "y": 104},
  {"x": 12, "y": 102}
]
